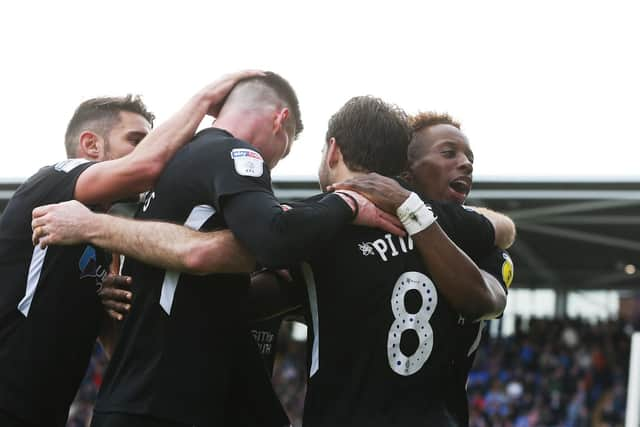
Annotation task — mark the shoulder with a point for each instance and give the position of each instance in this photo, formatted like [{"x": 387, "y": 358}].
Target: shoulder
[
  {"x": 220, "y": 138},
  {"x": 70, "y": 165},
  {"x": 219, "y": 146}
]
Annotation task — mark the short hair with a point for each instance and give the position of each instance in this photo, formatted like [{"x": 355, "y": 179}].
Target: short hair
[
  {"x": 283, "y": 91},
  {"x": 100, "y": 115},
  {"x": 427, "y": 119},
  {"x": 373, "y": 135},
  {"x": 422, "y": 121}
]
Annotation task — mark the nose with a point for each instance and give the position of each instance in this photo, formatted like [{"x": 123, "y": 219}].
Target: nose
[{"x": 466, "y": 165}]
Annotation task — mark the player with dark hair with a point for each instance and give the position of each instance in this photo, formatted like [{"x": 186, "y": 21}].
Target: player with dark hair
[
  {"x": 441, "y": 166},
  {"x": 50, "y": 313},
  {"x": 337, "y": 391},
  {"x": 184, "y": 356}
]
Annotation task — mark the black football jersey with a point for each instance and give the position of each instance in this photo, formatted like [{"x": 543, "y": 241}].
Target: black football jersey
[
  {"x": 185, "y": 346},
  {"x": 499, "y": 265},
  {"x": 50, "y": 313},
  {"x": 382, "y": 343}
]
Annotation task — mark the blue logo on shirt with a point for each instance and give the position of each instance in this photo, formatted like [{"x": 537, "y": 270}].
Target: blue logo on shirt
[{"x": 88, "y": 263}]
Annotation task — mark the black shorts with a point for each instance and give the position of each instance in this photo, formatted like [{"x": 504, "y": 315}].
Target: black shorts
[{"x": 114, "y": 419}]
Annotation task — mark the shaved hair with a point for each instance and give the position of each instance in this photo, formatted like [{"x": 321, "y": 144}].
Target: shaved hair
[
  {"x": 265, "y": 91},
  {"x": 100, "y": 115}
]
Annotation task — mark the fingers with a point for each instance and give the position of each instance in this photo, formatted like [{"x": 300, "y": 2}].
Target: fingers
[
  {"x": 245, "y": 74},
  {"x": 120, "y": 309},
  {"x": 115, "y": 300},
  {"x": 116, "y": 281},
  {"x": 223, "y": 87},
  {"x": 114, "y": 315},
  {"x": 116, "y": 295},
  {"x": 41, "y": 211},
  {"x": 390, "y": 223}
]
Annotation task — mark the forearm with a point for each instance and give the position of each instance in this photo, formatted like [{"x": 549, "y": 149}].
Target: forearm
[
  {"x": 136, "y": 172},
  {"x": 504, "y": 227},
  {"x": 161, "y": 144},
  {"x": 277, "y": 238},
  {"x": 171, "y": 246},
  {"x": 457, "y": 277},
  {"x": 497, "y": 297}
]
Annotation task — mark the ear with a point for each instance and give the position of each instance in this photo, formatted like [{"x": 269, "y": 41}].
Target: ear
[
  {"x": 280, "y": 120},
  {"x": 90, "y": 146},
  {"x": 334, "y": 154}
]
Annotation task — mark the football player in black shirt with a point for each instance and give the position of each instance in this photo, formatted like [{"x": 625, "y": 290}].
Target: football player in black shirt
[
  {"x": 182, "y": 358},
  {"x": 474, "y": 233},
  {"x": 441, "y": 166},
  {"x": 50, "y": 313}
]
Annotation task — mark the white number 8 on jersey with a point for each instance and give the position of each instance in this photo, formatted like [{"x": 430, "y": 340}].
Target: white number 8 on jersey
[{"x": 419, "y": 322}]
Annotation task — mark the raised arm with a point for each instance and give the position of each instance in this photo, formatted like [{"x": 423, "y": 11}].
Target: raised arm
[
  {"x": 165, "y": 245},
  {"x": 136, "y": 172}
]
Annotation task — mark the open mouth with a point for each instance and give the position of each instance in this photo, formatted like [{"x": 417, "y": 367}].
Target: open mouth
[{"x": 461, "y": 185}]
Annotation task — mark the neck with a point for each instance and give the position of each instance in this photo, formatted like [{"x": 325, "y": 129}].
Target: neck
[
  {"x": 342, "y": 173},
  {"x": 242, "y": 125}
]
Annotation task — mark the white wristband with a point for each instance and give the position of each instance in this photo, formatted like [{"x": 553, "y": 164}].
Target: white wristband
[{"x": 415, "y": 215}]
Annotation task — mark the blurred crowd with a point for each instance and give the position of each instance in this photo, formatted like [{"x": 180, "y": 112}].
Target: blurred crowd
[
  {"x": 568, "y": 373},
  {"x": 550, "y": 372}
]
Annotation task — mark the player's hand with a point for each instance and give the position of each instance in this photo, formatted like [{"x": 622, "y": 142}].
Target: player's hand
[
  {"x": 217, "y": 92},
  {"x": 116, "y": 296},
  {"x": 60, "y": 224},
  {"x": 384, "y": 192},
  {"x": 369, "y": 215}
]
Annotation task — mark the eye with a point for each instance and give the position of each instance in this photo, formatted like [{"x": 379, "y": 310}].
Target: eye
[
  {"x": 449, "y": 154},
  {"x": 135, "y": 141}
]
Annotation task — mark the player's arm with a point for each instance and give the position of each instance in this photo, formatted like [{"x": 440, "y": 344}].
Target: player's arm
[
  {"x": 111, "y": 180},
  {"x": 466, "y": 288},
  {"x": 280, "y": 238},
  {"x": 471, "y": 292},
  {"x": 165, "y": 245},
  {"x": 497, "y": 267},
  {"x": 113, "y": 309},
  {"x": 387, "y": 194},
  {"x": 504, "y": 227}
]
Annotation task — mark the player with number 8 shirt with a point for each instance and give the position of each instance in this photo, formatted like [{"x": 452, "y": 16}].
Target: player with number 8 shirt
[
  {"x": 382, "y": 341},
  {"x": 441, "y": 166}
]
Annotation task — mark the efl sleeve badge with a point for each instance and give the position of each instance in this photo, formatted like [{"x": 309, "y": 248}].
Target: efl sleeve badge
[{"x": 247, "y": 162}]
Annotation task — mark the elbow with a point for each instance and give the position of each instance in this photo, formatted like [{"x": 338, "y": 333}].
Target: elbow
[
  {"x": 144, "y": 175},
  {"x": 483, "y": 303},
  {"x": 505, "y": 234}
]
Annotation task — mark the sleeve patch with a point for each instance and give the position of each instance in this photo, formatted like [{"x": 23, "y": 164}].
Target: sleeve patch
[
  {"x": 507, "y": 270},
  {"x": 69, "y": 164},
  {"x": 247, "y": 162}
]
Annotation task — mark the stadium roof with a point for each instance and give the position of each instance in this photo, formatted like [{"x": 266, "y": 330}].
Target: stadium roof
[{"x": 572, "y": 233}]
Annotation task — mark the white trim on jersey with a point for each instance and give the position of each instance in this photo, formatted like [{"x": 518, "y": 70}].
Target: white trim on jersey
[
  {"x": 198, "y": 216},
  {"x": 313, "y": 307},
  {"x": 69, "y": 164},
  {"x": 476, "y": 342},
  {"x": 35, "y": 268}
]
